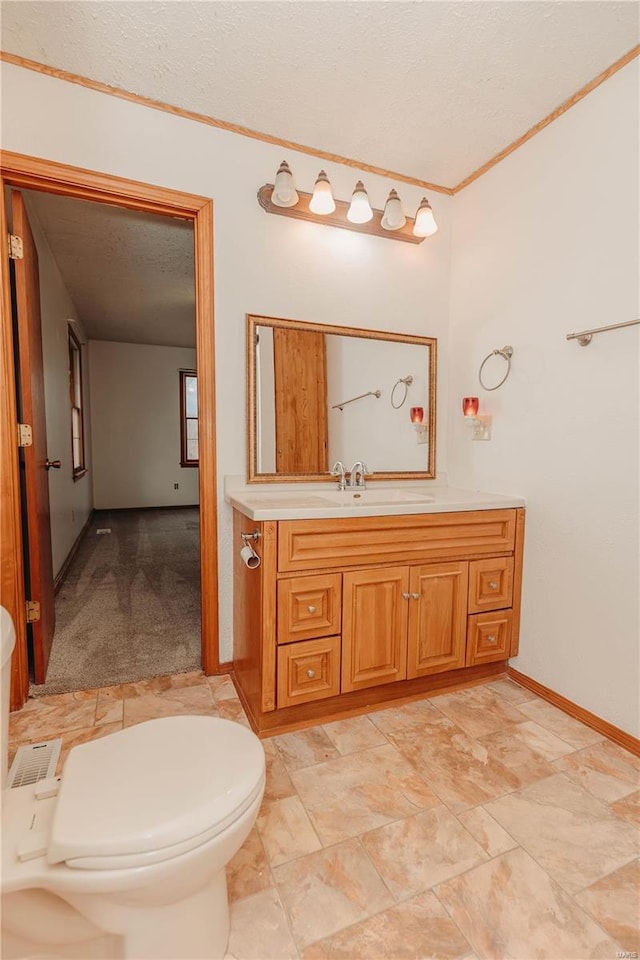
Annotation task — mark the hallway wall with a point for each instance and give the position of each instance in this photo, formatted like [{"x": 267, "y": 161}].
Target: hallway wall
[{"x": 135, "y": 426}]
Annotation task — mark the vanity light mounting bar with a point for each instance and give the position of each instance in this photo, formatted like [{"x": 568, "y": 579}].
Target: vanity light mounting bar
[
  {"x": 584, "y": 336},
  {"x": 371, "y": 393},
  {"x": 338, "y": 218}
]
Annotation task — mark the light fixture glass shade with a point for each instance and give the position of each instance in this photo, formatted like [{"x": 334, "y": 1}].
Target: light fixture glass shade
[
  {"x": 322, "y": 201},
  {"x": 470, "y": 406},
  {"x": 359, "y": 209},
  {"x": 393, "y": 217},
  {"x": 284, "y": 189},
  {"x": 425, "y": 225}
]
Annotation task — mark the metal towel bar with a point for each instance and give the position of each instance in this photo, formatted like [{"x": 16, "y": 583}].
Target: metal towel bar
[{"x": 584, "y": 336}]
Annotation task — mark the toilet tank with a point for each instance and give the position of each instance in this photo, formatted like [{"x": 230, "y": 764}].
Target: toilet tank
[{"x": 7, "y": 643}]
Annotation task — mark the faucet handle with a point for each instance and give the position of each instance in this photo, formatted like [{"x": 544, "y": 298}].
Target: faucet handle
[
  {"x": 365, "y": 469},
  {"x": 337, "y": 469}
]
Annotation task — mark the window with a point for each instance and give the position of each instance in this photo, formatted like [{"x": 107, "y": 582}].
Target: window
[
  {"x": 188, "y": 418},
  {"x": 77, "y": 410}
]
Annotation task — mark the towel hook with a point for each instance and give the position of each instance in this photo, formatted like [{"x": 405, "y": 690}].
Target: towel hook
[
  {"x": 506, "y": 353},
  {"x": 407, "y": 381}
]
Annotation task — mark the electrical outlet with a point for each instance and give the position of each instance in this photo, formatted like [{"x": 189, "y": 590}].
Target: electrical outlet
[
  {"x": 481, "y": 428},
  {"x": 176, "y": 486}
]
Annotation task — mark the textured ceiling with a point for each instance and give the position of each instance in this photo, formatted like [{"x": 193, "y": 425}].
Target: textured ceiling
[
  {"x": 129, "y": 274},
  {"x": 426, "y": 88}
]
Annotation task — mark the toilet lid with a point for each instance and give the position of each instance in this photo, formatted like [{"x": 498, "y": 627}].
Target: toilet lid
[{"x": 153, "y": 786}]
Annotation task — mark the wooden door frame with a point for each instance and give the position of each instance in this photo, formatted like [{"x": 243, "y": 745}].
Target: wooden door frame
[{"x": 33, "y": 173}]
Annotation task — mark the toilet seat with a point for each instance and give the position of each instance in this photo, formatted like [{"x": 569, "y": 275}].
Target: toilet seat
[{"x": 153, "y": 791}]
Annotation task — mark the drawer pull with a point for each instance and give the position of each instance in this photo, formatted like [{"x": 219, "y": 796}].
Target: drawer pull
[
  {"x": 311, "y": 608},
  {"x": 415, "y": 596},
  {"x": 493, "y": 585},
  {"x": 405, "y": 596},
  {"x": 311, "y": 674},
  {"x": 492, "y": 639}
]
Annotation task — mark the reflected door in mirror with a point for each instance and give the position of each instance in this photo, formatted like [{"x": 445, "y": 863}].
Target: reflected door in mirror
[{"x": 299, "y": 361}]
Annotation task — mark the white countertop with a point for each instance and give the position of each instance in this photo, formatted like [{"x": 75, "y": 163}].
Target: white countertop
[{"x": 322, "y": 501}]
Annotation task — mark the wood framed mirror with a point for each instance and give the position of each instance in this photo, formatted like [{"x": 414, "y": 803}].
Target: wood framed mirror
[{"x": 317, "y": 393}]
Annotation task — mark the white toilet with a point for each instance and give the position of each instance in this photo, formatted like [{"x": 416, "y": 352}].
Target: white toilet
[{"x": 125, "y": 855}]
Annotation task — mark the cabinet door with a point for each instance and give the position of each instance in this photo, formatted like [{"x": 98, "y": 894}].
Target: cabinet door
[
  {"x": 374, "y": 627},
  {"x": 309, "y": 607},
  {"x": 437, "y": 618},
  {"x": 489, "y": 637}
]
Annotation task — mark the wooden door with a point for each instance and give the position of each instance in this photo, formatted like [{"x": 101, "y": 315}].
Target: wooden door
[
  {"x": 374, "y": 627},
  {"x": 437, "y": 618},
  {"x": 32, "y": 411},
  {"x": 300, "y": 373}
]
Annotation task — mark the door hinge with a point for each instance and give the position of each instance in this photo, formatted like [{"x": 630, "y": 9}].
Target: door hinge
[
  {"x": 15, "y": 247},
  {"x": 25, "y": 435},
  {"x": 33, "y": 610}
]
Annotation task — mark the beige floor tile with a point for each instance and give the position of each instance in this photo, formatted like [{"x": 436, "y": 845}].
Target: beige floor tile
[
  {"x": 614, "y": 902},
  {"x": 278, "y": 783},
  {"x": 354, "y": 734},
  {"x": 605, "y": 770},
  {"x": 573, "y": 732},
  {"x": 489, "y": 834},
  {"x": 223, "y": 688},
  {"x": 511, "y": 691},
  {"x": 41, "y": 715},
  {"x": 414, "y": 854},
  {"x": 195, "y": 699},
  {"x": 177, "y": 681},
  {"x": 571, "y": 834},
  {"x": 286, "y": 831},
  {"x": 413, "y": 717},
  {"x": 359, "y": 792},
  {"x": 329, "y": 890},
  {"x": 629, "y": 808},
  {"x": 509, "y": 908},
  {"x": 305, "y": 747},
  {"x": 110, "y": 704},
  {"x": 478, "y": 711},
  {"x": 248, "y": 872},
  {"x": 419, "y": 929},
  {"x": 463, "y": 772},
  {"x": 230, "y": 709},
  {"x": 259, "y": 929},
  {"x": 515, "y": 755},
  {"x": 540, "y": 740}
]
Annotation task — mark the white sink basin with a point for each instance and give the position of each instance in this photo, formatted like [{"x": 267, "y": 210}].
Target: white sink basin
[{"x": 382, "y": 497}]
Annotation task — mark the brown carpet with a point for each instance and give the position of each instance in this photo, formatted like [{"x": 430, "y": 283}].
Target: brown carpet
[{"x": 129, "y": 607}]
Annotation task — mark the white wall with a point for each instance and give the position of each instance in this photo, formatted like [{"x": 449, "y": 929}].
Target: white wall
[
  {"x": 263, "y": 264},
  {"x": 545, "y": 244},
  {"x": 135, "y": 425},
  {"x": 70, "y": 501}
]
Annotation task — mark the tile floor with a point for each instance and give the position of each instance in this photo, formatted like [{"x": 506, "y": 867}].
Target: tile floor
[{"x": 477, "y": 824}]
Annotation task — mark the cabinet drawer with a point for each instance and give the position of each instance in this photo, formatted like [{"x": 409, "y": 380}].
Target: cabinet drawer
[
  {"x": 350, "y": 542},
  {"x": 308, "y": 670},
  {"x": 309, "y": 607},
  {"x": 488, "y": 637},
  {"x": 490, "y": 584}
]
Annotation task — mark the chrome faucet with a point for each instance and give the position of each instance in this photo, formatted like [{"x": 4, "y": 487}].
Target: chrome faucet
[
  {"x": 358, "y": 473},
  {"x": 337, "y": 470}
]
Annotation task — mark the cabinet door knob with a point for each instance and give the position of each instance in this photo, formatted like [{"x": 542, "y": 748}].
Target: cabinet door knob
[
  {"x": 311, "y": 674},
  {"x": 493, "y": 584},
  {"x": 405, "y": 596},
  {"x": 492, "y": 639},
  {"x": 311, "y": 608},
  {"x": 415, "y": 596}
]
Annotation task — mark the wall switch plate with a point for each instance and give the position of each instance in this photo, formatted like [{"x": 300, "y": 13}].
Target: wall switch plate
[
  {"x": 481, "y": 429},
  {"x": 422, "y": 432}
]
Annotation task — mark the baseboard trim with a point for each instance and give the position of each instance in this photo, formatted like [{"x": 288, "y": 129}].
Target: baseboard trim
[
  {"x": 226, "y": 667},
  {"x": 608, "y": 730},
  {"x": 168, "y": 506},
  {"x": 62, "y": 572}
]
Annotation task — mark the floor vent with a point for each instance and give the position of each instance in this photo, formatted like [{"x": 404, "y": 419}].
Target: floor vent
[{"x": 37, "y": 761}]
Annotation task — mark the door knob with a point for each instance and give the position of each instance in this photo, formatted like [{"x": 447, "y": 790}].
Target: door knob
[
  {"x": 56, "y": 464},
  {"x": 415, "y": 596},
  {"x": 405, "y": 596}
]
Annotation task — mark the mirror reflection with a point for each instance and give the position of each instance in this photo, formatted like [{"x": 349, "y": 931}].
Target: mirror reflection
[{"x": 320, "y": 393}]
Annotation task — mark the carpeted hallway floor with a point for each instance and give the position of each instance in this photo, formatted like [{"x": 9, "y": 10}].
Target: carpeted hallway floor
[{"x": 129, "y": 607}]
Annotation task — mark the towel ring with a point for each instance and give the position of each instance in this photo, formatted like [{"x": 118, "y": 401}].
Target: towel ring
[
  {"x": 407, "y": 381},
  {"x": 506, "y": 353}
]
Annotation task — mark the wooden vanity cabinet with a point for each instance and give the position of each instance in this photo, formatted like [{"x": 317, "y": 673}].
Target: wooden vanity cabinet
[{"x": 346, "y": 612}]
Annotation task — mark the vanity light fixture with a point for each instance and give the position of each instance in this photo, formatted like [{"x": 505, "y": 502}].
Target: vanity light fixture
[
  {"x": 416, "y": 414},
  {"x": 322, "y": 201},
  {"x": 425, "y": 225},
  {"x": 393, "y": 217},
  {"x": 284, "y": 189},
  {"x": 481, "y": 425},
  {"x": 359, "y": 209},
  {"x": 284, "y": 199}
]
